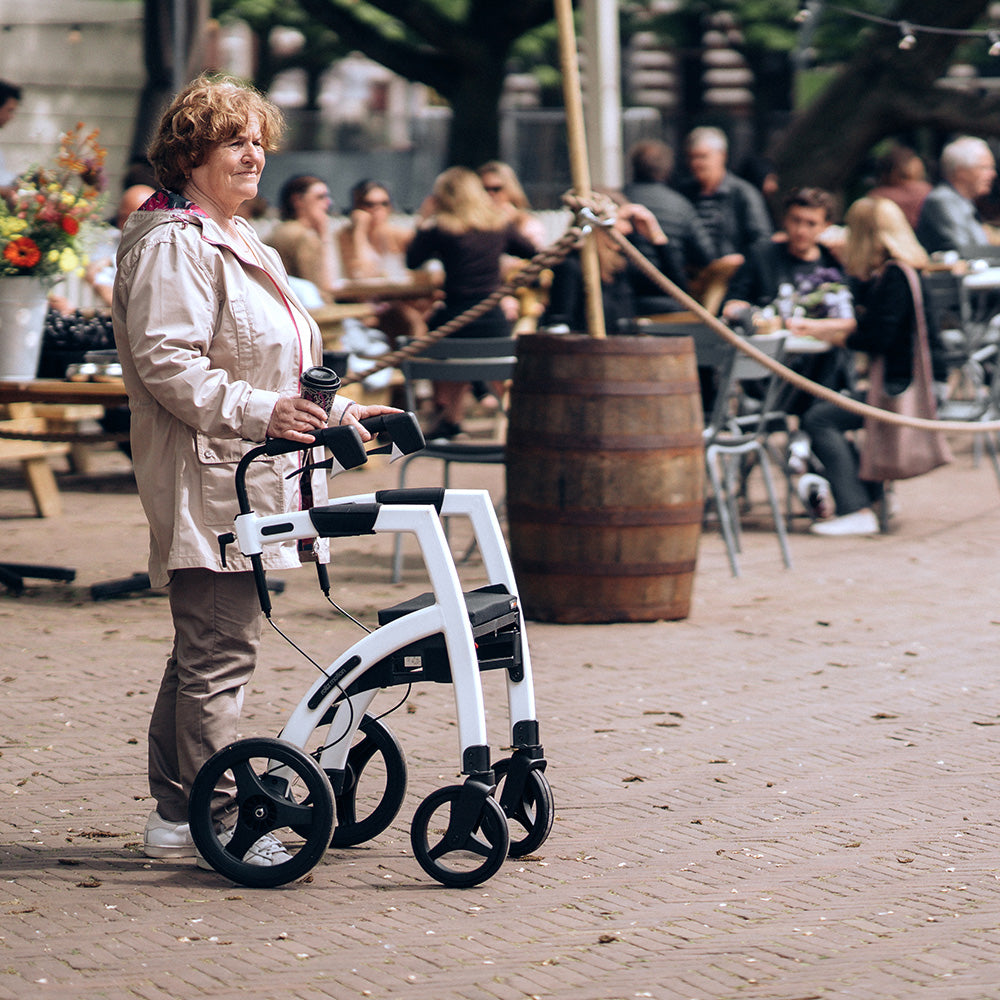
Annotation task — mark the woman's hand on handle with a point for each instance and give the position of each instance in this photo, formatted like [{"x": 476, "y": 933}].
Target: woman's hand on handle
[{"x": 355, "y": 413}]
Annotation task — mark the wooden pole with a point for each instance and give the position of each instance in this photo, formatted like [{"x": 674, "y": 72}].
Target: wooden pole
[{"x": 579, "y": 168}]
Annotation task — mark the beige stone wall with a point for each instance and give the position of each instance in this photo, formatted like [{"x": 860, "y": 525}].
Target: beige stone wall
[{"x": 76, "y": 60}]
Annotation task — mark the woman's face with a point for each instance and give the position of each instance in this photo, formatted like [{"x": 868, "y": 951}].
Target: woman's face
[
  {"x": 313, "y": 203},
  {"x": 495, "y": 188},
  {"x": 231, "y": 171},
  {"x": 377, "y": 203}
]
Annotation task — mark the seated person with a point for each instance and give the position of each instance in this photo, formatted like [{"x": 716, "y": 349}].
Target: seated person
[
  {"x": 621, "y": 281},
  {"x": 372, "y": 246},
  {"x": 304, "y": 237},
  {"x": 902, "y": 178},
  {"x": 731, "y": 209},
  {"x": 879, "y": 237},
  {"x": 797, "y": 274},
  {"x": 652, "y": 163},
  {"x": 465, "y": 231},
  {"x": 949, "y": 219},
  {"x": 502, "y": 185}
]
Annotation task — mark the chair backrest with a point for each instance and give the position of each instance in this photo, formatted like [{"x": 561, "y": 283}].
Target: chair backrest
[
  {"x": 726, "y": 419},
  {"x": 943, "y": 299},
  {"x": 714, "y": 357},
  {"x": 461, "y": 359}
]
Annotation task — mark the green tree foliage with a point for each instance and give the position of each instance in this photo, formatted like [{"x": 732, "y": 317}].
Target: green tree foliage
[
  {"x": 460, "y": 48},
  {"x": 320, "y": 46}
]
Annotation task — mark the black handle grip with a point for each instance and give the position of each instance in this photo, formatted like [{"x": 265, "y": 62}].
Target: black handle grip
[
  {"x": 331, "y": 437},
  {"x": 402, "y": 428}
]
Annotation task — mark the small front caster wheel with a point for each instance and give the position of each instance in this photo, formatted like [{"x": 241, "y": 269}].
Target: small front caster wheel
[
  {"x": 531, "y": 812},
  {"x": 278, "y": 790},
  {"x": 456, "y": 859}
]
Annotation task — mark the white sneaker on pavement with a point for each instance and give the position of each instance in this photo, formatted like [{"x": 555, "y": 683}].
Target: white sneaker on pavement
[
  {"x": 861, "y": 522},
  {"x": 265, "y": 852},
  {"x": 816, "y": 496},
  {"x": 163, "y": 839}
]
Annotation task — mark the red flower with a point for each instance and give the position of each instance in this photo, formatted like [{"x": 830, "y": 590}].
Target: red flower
[
  {"x": 70, "y": 225},
  {"x": 22, "y": 252}
]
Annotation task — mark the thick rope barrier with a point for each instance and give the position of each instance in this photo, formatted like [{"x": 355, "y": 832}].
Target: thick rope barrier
[{"x": 792, "y": 377}]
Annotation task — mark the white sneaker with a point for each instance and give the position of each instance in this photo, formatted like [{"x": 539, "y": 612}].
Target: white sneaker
[
  {"x": 861, "y": 522},
  {"x": 816, "y": 496},
  {"x": 265, "y": 852},
  {"x": 163, "y": 839}
]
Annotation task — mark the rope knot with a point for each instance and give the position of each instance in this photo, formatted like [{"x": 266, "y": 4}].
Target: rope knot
[{"x": 595, "y": 210}]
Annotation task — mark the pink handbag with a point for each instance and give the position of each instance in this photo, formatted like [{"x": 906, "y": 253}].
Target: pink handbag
[{"x": 890, "y": 451}]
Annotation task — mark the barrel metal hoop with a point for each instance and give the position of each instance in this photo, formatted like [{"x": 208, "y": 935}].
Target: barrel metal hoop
[
  {"x": 578, "y": 570},
  {"x": 541, "y": 344},
  {"x": 526, "y": 514},
  {"x": 592, "y": 388},
  {"x": 683, "y": 440}
]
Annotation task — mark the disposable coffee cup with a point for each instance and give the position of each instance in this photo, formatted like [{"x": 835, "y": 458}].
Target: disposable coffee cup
[{"x": 319, "y": 385}]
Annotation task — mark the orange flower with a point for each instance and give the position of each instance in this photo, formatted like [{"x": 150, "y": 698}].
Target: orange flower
[
  {"x": 70, "y": 225},
  {"x": 22, "y": 252}
]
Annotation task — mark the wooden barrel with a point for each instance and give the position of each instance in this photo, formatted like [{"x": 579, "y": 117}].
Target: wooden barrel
[{"x": 605, "y": 477}]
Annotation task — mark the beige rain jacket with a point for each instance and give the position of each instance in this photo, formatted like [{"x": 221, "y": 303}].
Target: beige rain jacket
[{"x": 208, "y": 342}]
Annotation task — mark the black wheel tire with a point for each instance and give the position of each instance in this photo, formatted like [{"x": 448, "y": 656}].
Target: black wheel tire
[
  {"x": 266, "y": 802},
  {"x": 533, "y": 813},
  {"x": 378, "y": 739},
  {"x": 489, "y": 841}
]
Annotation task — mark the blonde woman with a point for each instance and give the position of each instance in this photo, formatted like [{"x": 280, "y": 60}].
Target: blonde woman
[
  {"x": 505, "y": 189},
  {"x": 468, "y": 234},
  {"x": 878, "y": 239}
]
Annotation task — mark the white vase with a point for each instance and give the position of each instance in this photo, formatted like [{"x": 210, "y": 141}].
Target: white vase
[{"x": 23, "y": 303}]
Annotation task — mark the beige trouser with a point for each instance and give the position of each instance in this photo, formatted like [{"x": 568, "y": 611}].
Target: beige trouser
[{"x": 217, "y": 623}]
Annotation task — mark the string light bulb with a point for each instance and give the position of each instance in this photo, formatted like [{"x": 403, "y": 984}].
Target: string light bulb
[
  {"x": 994, "y": 37},
  {"x": 907, "y": 39}
]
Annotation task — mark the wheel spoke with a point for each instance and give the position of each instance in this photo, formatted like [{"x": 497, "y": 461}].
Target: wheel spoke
[
  {"x": 244, "y": 837},
  {"x": 247, "y": 781}
]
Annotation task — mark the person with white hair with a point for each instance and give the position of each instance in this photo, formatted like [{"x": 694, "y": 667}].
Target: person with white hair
[
  {"x": 731, "y": 209},
  {"x": 949, "y": 219}
]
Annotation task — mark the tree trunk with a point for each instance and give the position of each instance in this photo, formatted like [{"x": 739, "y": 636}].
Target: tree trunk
[
  {"x": 474, "y": 137},
  {"x": 158, "y": 91},
  {"x": 884, "y": 91}
]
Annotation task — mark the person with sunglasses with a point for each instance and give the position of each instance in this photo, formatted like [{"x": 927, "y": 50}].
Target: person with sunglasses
[{"x": 371, "y": 245}]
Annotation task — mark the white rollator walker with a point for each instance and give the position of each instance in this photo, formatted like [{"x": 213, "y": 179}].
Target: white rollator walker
[{"x": 351, "y": 786}]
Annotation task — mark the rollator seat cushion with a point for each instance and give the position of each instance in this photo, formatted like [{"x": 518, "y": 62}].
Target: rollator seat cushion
[{"x": 485, "y": 605}]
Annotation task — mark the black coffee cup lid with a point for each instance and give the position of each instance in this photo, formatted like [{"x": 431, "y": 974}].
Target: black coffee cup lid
[{"x": 319, "y": 377}]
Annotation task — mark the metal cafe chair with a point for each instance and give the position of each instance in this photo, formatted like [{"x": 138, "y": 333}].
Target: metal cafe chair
[
  {"x": 732, "y": 436},
  {"x": 456, "y": 359}
]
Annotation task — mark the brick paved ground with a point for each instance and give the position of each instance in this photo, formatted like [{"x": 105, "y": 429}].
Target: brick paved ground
[{"x": 791, "y": 794}]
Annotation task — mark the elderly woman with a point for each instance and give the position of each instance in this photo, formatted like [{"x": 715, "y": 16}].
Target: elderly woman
[{"x": 212, "y": 342}]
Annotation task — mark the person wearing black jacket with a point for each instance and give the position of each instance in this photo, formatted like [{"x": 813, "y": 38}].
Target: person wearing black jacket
[
  {"x": 878, "y": 238},
  {"x": 622, "y": 282},
  {"x": 652, "y": 163}
]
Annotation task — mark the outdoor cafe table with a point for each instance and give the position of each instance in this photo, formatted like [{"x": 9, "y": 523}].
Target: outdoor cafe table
[
  {"x": 417, "y": 286},
  {"x": 27, "y": 437}
]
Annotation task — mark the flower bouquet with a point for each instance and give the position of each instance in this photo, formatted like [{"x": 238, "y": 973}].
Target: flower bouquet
[{"x": 40, "y": 230}]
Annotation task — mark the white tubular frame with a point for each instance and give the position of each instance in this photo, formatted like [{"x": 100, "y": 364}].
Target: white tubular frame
[
  {"x": 448, "y": 615},
  {"x": 477, "y": 505}
]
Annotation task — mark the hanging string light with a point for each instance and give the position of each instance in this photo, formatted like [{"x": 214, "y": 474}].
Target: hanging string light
[
  {"x": 908, "y": 31},
  {"x": 907, "y": 40}
]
